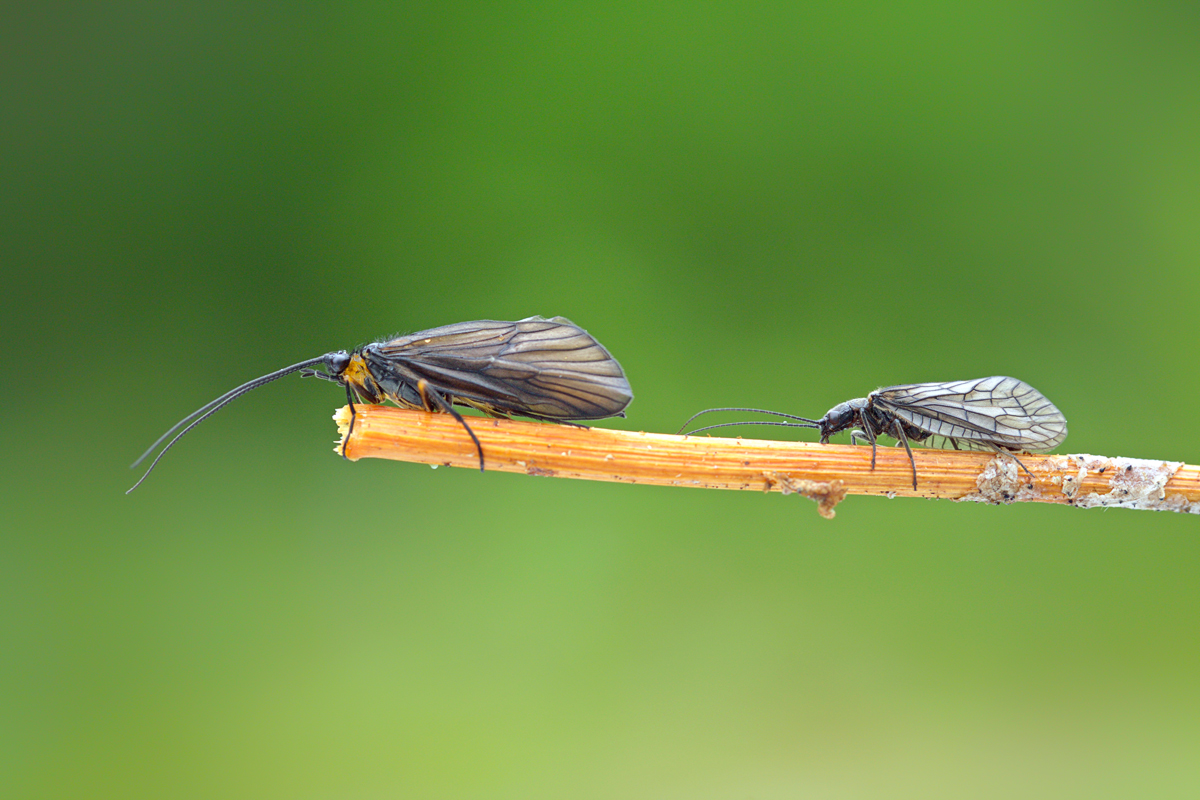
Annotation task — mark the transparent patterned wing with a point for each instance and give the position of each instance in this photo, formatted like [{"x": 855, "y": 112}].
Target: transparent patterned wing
[
  {"x": 545, "y": 368},
  {"x": 1002, "y": 411}
]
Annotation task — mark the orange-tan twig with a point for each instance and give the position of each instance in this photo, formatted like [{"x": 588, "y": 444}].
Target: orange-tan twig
[{"x": 825, "y": 473}]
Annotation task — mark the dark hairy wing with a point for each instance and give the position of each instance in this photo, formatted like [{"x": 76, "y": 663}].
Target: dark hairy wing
[
  {"x": 536, "y": 367},
  {"x": 996, "y": 410}
]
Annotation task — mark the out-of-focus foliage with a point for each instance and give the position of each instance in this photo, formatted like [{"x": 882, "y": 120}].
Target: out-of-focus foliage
[{"x": 784, "y": 205}]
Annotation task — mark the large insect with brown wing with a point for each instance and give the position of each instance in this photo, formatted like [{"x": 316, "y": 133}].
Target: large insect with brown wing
[{"x": 546, "y": 369}]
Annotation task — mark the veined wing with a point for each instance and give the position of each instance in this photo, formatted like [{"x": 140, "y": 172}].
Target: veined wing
[
  {"x": 547, "y": 368},
  {"x": 997, "y": 410}
]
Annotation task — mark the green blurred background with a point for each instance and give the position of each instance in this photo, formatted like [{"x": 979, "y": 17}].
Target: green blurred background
[{"x": 786, "y": 205}]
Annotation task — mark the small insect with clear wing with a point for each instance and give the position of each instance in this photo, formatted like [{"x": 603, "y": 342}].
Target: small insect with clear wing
[
  {"x": 545, "y": 369},
  {"x": 998, "y": 413}
]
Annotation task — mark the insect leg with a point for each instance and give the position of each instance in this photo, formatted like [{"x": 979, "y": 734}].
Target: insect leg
[
  {"x": 899, "y": 427},
  {"x": 353, "y": 415},
  {"x": 866, "y": 423},
  {"x": 428, "y": 393}
]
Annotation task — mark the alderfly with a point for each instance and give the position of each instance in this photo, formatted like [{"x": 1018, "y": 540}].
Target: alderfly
[
  {"x": 545, "y": 369},
  {"x": 998, "y": 413}
]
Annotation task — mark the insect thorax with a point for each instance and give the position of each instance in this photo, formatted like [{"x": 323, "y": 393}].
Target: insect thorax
[{"x": 358, "y": 375}]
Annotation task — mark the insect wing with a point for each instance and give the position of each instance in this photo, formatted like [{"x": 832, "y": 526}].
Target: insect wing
[
  {"x": 997, "y": 410},
  {"x": 537, "y": 367}
]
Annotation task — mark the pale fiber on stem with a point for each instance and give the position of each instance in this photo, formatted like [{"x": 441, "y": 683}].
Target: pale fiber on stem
[{"x": 825, "y": 473}]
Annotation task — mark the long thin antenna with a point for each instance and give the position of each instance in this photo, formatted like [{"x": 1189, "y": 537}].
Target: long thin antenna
[
  {"x": 207, "y": 410},
  {"x": 751, "y": 422},
  {"x": 811, "y": 422}
]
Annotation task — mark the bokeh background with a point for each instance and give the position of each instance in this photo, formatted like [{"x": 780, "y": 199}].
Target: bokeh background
[{"x": 782, "y": 204}]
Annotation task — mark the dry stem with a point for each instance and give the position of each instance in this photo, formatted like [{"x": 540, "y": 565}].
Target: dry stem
[{"x": 825, "y": 473}]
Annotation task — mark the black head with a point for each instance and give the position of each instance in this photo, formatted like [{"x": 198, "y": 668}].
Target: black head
[
  {"x": 840, "y": 417},
  {"x": 337, "y": 362}
]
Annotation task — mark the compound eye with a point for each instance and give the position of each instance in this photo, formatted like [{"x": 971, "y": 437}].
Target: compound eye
[{"x": 337, "y": 362}]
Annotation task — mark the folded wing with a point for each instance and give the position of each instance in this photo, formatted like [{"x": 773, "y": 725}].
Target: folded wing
[
  {"x": 998, "y": 410},
  {"x": 545, "y": 368}
]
